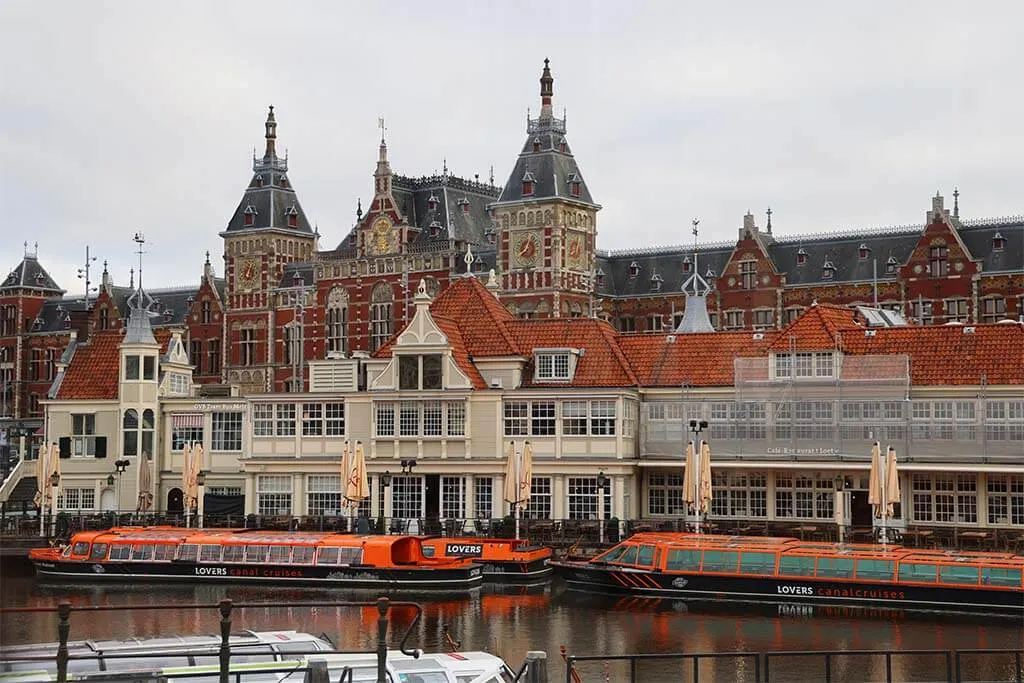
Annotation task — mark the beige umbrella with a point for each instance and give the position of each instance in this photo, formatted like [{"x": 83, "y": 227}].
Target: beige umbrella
[
  {"x": 705, "y": 493},
  {"x": 346, "y": 471},
  {"x": 145, "y": 485},
  {"x": 195, "y": 465},
  {"x": 186, "y": 467},
  {"x": 357, "y": 487},
  {"x": 689, "y": 480},
  {"x": 510, "y": 492},
  {"x": 526, "y": 474},
  {"x": 892, "y": 483},
  {"x": 875, "y": 481},
  {"x": 42, "y": 467}
]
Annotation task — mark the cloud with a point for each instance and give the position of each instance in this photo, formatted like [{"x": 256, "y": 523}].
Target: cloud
[{"x": 120, "y": 116}]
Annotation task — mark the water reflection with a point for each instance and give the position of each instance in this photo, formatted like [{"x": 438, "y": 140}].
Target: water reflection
[{"x": 512, "y": 622}]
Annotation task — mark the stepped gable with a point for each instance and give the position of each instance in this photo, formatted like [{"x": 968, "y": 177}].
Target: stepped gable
[
  {"x": 269, "y": 201},
  {"x": 30, "y": 275},
  {"x": 602, "y": 363},
  {"x": 667, "y": 263},
  {"x": 821, "y": 327},
  {"x": 940, "y": 355},
  {"x": 546, "y": 159},
  {"x": 481, "y": 319},
  {"x": 93, "y": 372},
  {"x": 702, "y": 359}
]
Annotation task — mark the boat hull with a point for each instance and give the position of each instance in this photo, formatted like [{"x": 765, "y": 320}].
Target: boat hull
[
  {"x": 504, "y": 561},
  {"x": 607, "y": 580},
  {"x": 392, "y": 578}
]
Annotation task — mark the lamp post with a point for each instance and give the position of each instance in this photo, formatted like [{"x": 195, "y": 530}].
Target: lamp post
[
  {"x": 54, "y": 483},
  {"x": 407, "y": 466},
  {"x": 385, "y": 504},
  {"x": 200, "y": 495},
  {"x": 696, "y": 427},
  {"x": 120, "y": 465},
  {"x": 602, "y": 483}
]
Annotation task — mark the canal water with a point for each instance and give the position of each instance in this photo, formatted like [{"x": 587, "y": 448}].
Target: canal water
[{"x": 510, "y": 623}]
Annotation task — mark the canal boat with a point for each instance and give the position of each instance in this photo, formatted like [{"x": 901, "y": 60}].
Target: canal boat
[
  {"x": 127, "y": 554},
  {"x": 756, "y": 569},
  {"x": 504, "y": 560}
]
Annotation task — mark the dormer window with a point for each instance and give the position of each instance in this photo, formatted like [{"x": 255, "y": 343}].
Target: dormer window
[
  {"x": 555, "y": 365},
  {"x": 574, "y": 185},
  {"x": 40, "y": 279},
  {"x": 891, "y": 265},
  {"x": 863, "y": 252},
  {"x": 435, "y": 228},
  {"x": 687, "y": 264},
  {"x": 492, "y": 235},
  {"x": 801, "y": 256},
  {"x": 292, "y": 215},
  {"x": 259, "y": 180},
  {"x": 599, "y": 277},
  {"x": 104, "y": 318},
  {"x": 998, "y": 242},
  {"x": 656, "y": 283},
  {"x": 249, "y": 216},
  {"x": 432, "y": 203},
  {"x": 562, "y": 147},
  {"x": 420, "y": 372},
  {"x": 464, "y": 203},
  {"x": 710, "y": 274},
  {"x": 168, "y": 315},
  {"x": 634, "y": 269},
  {"x": 536, "y": 144},
  {"x": 284, "y": 181},
  {"x": 828, "y": 270},
  {"x": 528, "y": 182}
]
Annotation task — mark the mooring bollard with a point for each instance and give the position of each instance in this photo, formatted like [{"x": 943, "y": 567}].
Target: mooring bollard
[
  {"x": 317, "y": 672},
  {"x": 537, "y": 671},
  {"x": 225, "y": 640},
  {"x": 382, "y": 640},
  {"x": 63, "y": 629}
]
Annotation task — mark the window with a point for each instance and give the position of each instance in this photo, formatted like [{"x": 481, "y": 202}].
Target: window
[
  {"x": 284, "y": 419},
  {"x": 483, "y": 497},
  {"x": 956, "y": 310},
  {"x": 421, "y": 418},
  {"x": 914, "y": 571},
  {"x": 804, "y": 496},
  {"x": 51, "y": 364},
  {"x": 794, "y": 565},
  {"x": 292, "y": 342},
  {"x": 553, "y": 366},
  {"x": 631, "y": 410},
  {"x": 149, "y": 367},
  {"x": 801, "y": 256},
  {"x": 739, "y": 494},
  {"x": 993, "y": 309},
  {"x": 83, "y": 439},
  {"x": 385, "y": 419},
  {"x": 665, "y": 494},
  {"x": 213, "y": 348},
  {"x": 9, "y": 323},
  {"x": 581, "y": 498},
  {"x": 748, "y": 274},
  {"x": 456, "y": 419},
  {"x": 131, "y": 367},
  {"x": 420, "y": 372},
  {"x": 381, "y": 315},
  {"x": 407, "y": 497},
  {"x": 875, "y": 569},
  {"x": 263, "y": 419},
  {"x": 323, "y": 494},
  {"x": 575, "y": 418},
  {"x": 654, "y": 322},
  {"x": 539, "y": 505},
  {"x": 337, "y": 321},
  {"x": 312, "y": 419},
  {"x": 195, "y": 355},
  {"x": 205, "y": 312},
  {"x": 602, "y": 418},
  {"x": 274, "y": 494},
  {"x": 334, "y": 419},
  {"x": 517, "y": 422},
  {"x": 734, "y": 320},
  {"x": 938, "y": 263},
  {"x": 921, "y": 311},
  {"x": 227, "y": 432},
  {"x": 247, "y": 346},
  {"x": 891, "y": 265},
  {"x": 542, "y": 418},
  {"x": 1005, "y": 499},
  {"x": 76, "y": 499},
  {"x": 944, "y": 498},
  {"x": 764, "y": 317},
  {"x": 453, "y": 497},
  {"x": 863, "y": 252},
  {"x": 130, "y": 432},
  {"x": 148, "y": 427},
  {"x": 178, "y": 384},
  {"x": 626, "y": 324}
]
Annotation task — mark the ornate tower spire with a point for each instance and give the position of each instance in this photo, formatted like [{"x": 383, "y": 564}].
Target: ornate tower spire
[
  {"x": 382, "y": 176},
  {"x": 271, "y": 135},
  {"x": 546, "y": 91}
]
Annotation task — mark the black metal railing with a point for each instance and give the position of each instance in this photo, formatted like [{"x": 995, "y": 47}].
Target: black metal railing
[{"x": 766, "y": 667}]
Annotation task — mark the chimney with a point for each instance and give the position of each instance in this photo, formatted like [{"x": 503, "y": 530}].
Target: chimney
[{"x": 748, "y": 228}]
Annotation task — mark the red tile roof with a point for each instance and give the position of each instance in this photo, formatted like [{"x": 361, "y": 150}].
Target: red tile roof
[
  {"x": 481, "y": 318},
  {"x": 94, "y": 371},
  {"x": 820, "y": 328},
  {"x": 602, "y": 364},
  {"x": 459, "y": 352},
  {"x": 702, "y": 359}
]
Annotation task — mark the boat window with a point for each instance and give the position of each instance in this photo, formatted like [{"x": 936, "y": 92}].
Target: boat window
[
  {"x": 350, "y": 555},
  {"x": 80, "y": 548},
  {"x": 915, "y": 571},
  {"x": 835, "y": 566},
  {"x": 256, "y": 553},
  {"x": 99, "y": 551},
  {"x": 958, "y": 573},
  {"x": 188, "y": 552},
  {"x": 279, "y": 554},
  {"x": 795, "y": 565},
  {"x": 720, "y": 560},
  {"x": 233, "y": 553},
  {"x": 149, "y": 663},
  {"x": 683, "y": 559},
  {"x": 303, "y": 554},
  {"x": 142, "y": 552},
  {"x": 628, "y": 557},
  {"x": 757, "y": 563},
  {"x": 120, "y": 551},
  {"x": 645, "y": 556},
  {"x": 209, "y": 553},
  {"x": 875, "y": 569},
  {"x": 327, "y": 556},
  {"x": 614, "y": 554},
  {"x": 163, "y": 552},
  {"x": 1000, "y": 576}
]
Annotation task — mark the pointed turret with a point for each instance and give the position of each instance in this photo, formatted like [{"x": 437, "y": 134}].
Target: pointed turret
[
  {"x": 30, "y": 275},
  {"x": 269, "y": 202}
]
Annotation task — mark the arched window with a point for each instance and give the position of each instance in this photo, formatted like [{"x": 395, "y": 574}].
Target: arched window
[
  {"x": 130, "y": 432},
  {"x": 381, "y": 315},
  {"x": 148, "y": 424},
  {"x": 337, "y": 320}
]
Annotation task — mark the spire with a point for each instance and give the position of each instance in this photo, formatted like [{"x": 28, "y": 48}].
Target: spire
[
  {"x": 271, "y": 135},
  {"x": 695, "y": 315},
  {"x": 769, "y": 220},
  {"x": 208, "y": 267},
  {"x": 546, "y": 91},
  {"x": 139, "y": 330},
  {"x": 382, "y": 176},
  {"x": 270, "y": 161},
  {"x": 105, "y": 281},
  {"x": 956, "y": 202}
]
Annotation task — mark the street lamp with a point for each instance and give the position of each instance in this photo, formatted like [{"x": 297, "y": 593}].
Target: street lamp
[
  {"x": 696, "y": 427},
  {"x": 120, "y": 465},
  {"x": 385, "y": 479},
  {"x": 602, "y": 483},
  {"x": 407, "y": 466},
  {"x": 55, "y": 479}
]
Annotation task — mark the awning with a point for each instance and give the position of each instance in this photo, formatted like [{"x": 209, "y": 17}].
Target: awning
[{"x": 187, "y": 420}]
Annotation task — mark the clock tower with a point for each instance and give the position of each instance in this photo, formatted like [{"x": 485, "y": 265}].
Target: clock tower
[
  {"x": 548, "y": 222},
  {"x": 267, "y": 231}
]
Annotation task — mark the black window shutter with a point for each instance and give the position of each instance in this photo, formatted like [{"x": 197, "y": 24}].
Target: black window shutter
[
  {"x": 65, "y": 446},
  {"x": 101, "y": 446}
]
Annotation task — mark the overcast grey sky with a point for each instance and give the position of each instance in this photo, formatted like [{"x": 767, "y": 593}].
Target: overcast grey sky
[{"x": 125, "y": 116}]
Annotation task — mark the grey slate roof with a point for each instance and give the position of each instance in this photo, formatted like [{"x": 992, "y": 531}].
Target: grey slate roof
[
  {"x": 30, "y": 274},
  {"x": 843, "y": 252},
  {"x": 666, "y": 263},
  {"x": 271, "y": 203},
  {"x": 979, "y": 238},
  {"x": 551, "y": 167}
]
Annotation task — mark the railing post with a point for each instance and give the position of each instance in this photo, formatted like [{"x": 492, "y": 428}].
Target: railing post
[
  {"x": 949, "y": 667},
  {"x": 1019, "y": 675},
  {"x": 537, "y": 670},
  {"x": 382, "y": 640},
  {"x": 757, "y": 668},
  {"x": 828, "y": 668},
  {"x": 63, "y": 629},
  {"x": 632, "y": 671},
  {"x": 225, "y": 640},
  {"x": 696, "y": 668},
  {"x": 888, "y": 667}
]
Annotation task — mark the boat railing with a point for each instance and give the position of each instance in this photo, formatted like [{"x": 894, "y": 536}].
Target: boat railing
[
  {"x": 225, "y": 650},
  {"x": 954, "y": 666}
]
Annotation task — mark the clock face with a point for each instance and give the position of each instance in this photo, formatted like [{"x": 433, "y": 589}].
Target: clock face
[
  {"x": 575, "y": 252},
  {"x": 380, "y": 238},
  {"x": 247, "y": 274},
  {"x": 525, "y": 250}
]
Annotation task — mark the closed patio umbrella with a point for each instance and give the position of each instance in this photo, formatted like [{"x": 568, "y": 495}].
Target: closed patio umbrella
[
  {"x": 145, "y": 485},
  {"x": 689, "y": 478},
  {"x": 875, "y": 481},
  {"x": 357, "y": 486},
  {"x": 706, "y": 494},
  {"x": 892, "y": 483}
]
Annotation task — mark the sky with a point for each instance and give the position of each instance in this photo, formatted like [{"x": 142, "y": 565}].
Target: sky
[{"x": 118, "y": 117}]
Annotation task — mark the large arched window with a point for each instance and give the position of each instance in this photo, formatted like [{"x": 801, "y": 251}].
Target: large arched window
[
  {"x": 381, "y": 315},
  {"x": 130, "y": 432},
  {"x": 148, "y": 425},
  {"x": 337, "y": 320}
]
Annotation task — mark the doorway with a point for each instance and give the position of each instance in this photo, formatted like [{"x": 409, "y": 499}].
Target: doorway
[
  {"x": 860, "y": 509},
  {"x": 175, "y": 502},
  {"x": 432, "y": 496}
]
